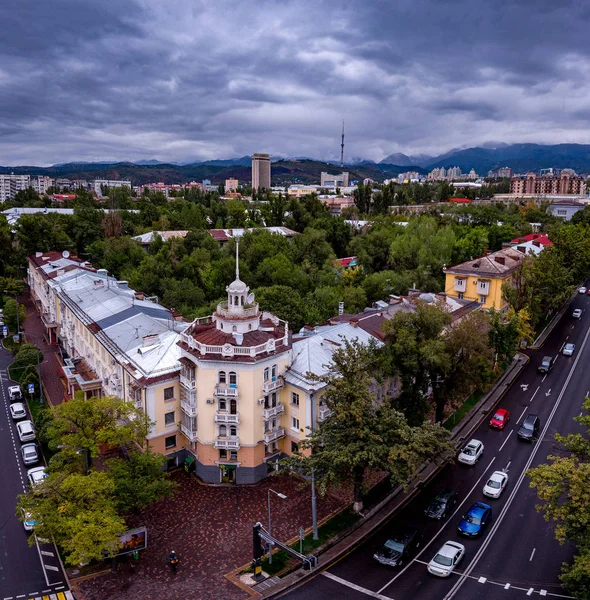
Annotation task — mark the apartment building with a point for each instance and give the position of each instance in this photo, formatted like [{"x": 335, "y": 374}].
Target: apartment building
[
  {"x": 11, "y": 184},
  {"x": 327, "y": 180},
  {"x": 100, "y": 184},
  {"x": 231, "y": 185},
  {"x": 566, "y": 183},
  {"x": 261, "y": 171}
]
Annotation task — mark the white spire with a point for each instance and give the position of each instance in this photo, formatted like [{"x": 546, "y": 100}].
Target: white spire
[{"x": 237, "y": 259}]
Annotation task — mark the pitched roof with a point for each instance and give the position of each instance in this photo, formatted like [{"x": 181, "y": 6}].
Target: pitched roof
[
  {"x": 542, "y": 238},
  {"x": 500, "y": 264}
]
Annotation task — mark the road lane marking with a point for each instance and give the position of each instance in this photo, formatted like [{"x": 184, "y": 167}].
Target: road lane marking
[
  {"x": 532, "y": 554},
  {"x": 507, "y": 467},
  {"x": 547, "y": 394},
  {"x": 41, "y": 560},
  {"x": 522, "y": 415},
  {"x": 51, "y": 567},
  {"x": 532, "y": 397},
  {"x": 439, "y": 531},
  {"x": 487, "y": 541},
  {"x": 504, "y": 442},
  {"x": 530, "y": 592},
  {"x": 482, "y": 580},
  {"x": 545, "y": 377},
  {"x": 353, "y": 586},
  {"x": 507, "y": 586},
  {"x": 47, "y": 553}
]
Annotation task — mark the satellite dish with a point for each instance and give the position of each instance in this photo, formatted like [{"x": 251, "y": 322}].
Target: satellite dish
[
  {"x": 250, "y": 298},
  {"x": 66, "y": 254}
]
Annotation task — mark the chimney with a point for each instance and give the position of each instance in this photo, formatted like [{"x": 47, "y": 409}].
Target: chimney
[
  {"x": 139, "y": 296},
  {"x": 102, "y": 273},
  {"x": 536, "y": 243},
  {"x": 500, "y": 260},
  {"x": 521, "y": 249}
]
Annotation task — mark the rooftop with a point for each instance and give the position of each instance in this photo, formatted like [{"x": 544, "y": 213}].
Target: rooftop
[{"x": 500, "y": 264}]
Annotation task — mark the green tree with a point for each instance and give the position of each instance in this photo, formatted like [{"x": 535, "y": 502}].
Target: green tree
[
  {"x": 362, "y": 434},
  {"x": 285, "y": 302},
  {"x": 10, "y": 319}
]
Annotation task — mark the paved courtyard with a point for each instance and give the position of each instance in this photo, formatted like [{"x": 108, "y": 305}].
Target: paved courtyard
[{"x": 211, "y": 530}]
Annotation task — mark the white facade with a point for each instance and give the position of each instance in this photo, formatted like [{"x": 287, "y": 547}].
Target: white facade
[
  {"x": 111, "y": 183},
  {"x": 11, "y": 184}
]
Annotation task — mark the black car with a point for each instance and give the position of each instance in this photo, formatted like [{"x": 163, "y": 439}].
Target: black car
[
  {"x": 399, "y": 548},
  {"x": 546, "y": 364},
  {"x": 529, "y": 430},
  {"x": 441, "y": 505}
]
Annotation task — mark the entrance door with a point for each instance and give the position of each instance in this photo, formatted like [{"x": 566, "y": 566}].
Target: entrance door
[{"x": 228, "y": 473}]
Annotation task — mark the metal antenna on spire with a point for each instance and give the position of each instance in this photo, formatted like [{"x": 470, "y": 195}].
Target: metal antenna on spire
[
  {"x": 237, "y": 259},
  {"x": 342, "y": 147}
]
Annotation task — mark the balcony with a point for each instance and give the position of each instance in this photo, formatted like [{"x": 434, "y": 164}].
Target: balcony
[
  {"x": 323, "y": 413},
  {"x": 188, "y": 426},
  {"x": 483, "y": 287},
  {"x": 271, "y": 386},
  {"x": 275, "y": 434},
  {"x": 189, "y": 406},
  {"x": 226, "y": 391},
  {"x": 268, "y": 413},
  {"x": 243, "y": 312},
  {"x": 188, "y": 383},
  {"x": 227, "y": 443},
  {"x": 227, "y": 418},
  {"x": 460, "y": 284}
]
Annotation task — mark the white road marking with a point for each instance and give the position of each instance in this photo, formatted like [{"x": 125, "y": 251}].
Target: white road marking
[
  {"x": 562, "y": 345},
  {"x": 530, "y": 592},
  {"x": 524, "y": 386},
  {"x": 507, "y": 467},
  {"x": 543, "y": 593},
  {"x": 545, "y": 377},
  {"x": 532, "y": 397},
  {"x": 46, "y": 553},
  {"x": 504, "y": 442},
  {"x": 51, "y": 567},
  {"x": 482, "y": 580},
  {"x": 41, "y": 559},
  {"x": 521, "y": 416},
  {"x": 548, "y": 393},
  {"x": 353, "y": 586},
  {"x": 532, "y": 554},
  {"x": 439, "y": 531},
  {"x": 507, "y": 586}
]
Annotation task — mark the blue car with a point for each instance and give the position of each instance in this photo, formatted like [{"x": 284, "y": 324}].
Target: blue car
[{"x": 477, "y": 517}]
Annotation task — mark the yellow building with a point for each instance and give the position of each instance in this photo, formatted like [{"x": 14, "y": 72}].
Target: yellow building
[{"x": 481, "y": 279}]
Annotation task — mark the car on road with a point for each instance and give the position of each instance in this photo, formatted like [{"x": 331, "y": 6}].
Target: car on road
[
  {"x": 399, "y": 548},
  {"x": 30, "y": 453},
  {"x": 14, "y": 393},
  {"x": 582, "y": 290},
  {"x": 442, "y": 504},
  {"x": 28, "y": 521},
  {"x": 495, "y": 484},
  {"x": 18, "y": 411},
  {"x": 446, "y": 559},
  {"x": 546, "y": 364},
  {"x": 26, "y": 431},
  {"x": 500, "y": 418},
  {"x": 568, "y": 349},
  {"x": 36, "y": 475},
  {"x": 577, "y": 313},
  {"x": 529, "y": 430},
  {"x": 471, "y": 453},
  {"x": 477, "y": 517}
]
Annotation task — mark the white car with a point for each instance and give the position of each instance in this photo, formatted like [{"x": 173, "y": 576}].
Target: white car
[
  {"x": 14, "y": 393},
  {"x": 496, "y": 484},
  {"x": 446, "y": 559},
  {"x": 568, "y": 349},
  {"x": 577, "y": 313},
  {"x": 26, "y": 431},
  {"x": 582, "y": 290},
  {"x": 18, "y": 411},
  {"x": 28, "y": 521},
  {"x": 471, "y": 452},
  {"x": 36, "y": 475}
]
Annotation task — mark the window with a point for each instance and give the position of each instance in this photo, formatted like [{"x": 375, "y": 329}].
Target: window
[
  {"x": 169, "y": 418},
  {"x": 274, "y": 372},
  {"x": 294, "y": 447},
  {"x": 170, "y": 442},
  {"x": 482, "y": 299},
  {"x": 233, "y": 379},
  {"x": 222, "y": 454},
  {"x": 222, "y": 404},
  {"x": 294, "y": 399},
  {"x": 561, "y": 213},
  {"x": 460, "y": 295},
  {"x": 233, "y": 455},
  {"x": 168, "y": 394},
  {"x": 233, "y": 431},
  {"x": 221, "y": 377},
  {"x": 222, "y": 431},
  {"x": 294, "y": 423},
  {"x": 234, "y": 328},
  {"x": 266, "y": 372}
]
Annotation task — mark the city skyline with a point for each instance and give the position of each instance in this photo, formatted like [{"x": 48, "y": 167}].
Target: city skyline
[{"x": 149, "y": 80}]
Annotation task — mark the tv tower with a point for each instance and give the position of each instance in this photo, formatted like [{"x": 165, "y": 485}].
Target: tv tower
[{"x": 342, "y": 148}]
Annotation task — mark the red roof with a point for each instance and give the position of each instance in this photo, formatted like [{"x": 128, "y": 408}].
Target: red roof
[
  {"x": 345, "y": 262},
  {"x": 460, "y": 200},
  {"x": 542, "y": 238}
]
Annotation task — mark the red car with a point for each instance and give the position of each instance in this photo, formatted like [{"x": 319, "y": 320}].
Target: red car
[{"x": 500, "y": 418}]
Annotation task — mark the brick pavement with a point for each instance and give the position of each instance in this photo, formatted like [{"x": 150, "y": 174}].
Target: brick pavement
[{"x": 210, "y": 527}]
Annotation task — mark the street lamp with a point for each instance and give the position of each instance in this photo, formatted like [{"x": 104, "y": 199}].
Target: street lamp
[
  {"x": 17, "y": 321},
  {"x": 269, "y": 520}
]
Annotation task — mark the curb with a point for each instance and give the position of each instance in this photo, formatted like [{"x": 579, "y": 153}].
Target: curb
[{"x": 472, "y": 420}]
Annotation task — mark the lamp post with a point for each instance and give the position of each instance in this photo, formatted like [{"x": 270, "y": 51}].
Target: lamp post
[
  {"x": 270, "y": 521},
  {"x": 17, "y": 320}
]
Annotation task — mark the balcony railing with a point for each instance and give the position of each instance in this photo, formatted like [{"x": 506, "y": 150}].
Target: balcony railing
[
  {"x": 483, "y": 288},
  {"x": 188, "y": 383},
  {"x": 189, "y": 407},
  {"x": 271, "y": 386},
  {"x": 227, "y": 418},
  {"x": 323, "y": 413},
  {"x": 225, "y": 391},
  {"x": 275, "y": 434},
  {"x": 241, "y": 311},
  {"x": 460, "y": 285},
  {"x": 229, "y": 443},
  {"x": 279, "y": 409},
  {"x": 190, "y": 434}
]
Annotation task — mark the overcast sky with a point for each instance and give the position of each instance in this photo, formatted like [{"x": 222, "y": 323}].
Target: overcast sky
[{"x": 178, "y": 80}]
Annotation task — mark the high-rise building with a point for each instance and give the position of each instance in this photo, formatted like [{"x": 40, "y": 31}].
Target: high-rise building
[
  {"x": 231, "y": 185},
  {"x": 328, "y": 180},
  {"x": 11, "y": 184},
  {"x": 504, "y": 172},
  {"x": 260, "y": 171}
]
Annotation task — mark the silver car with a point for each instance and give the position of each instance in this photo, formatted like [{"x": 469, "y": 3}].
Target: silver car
[
  {"x": 446, "y": 559},
  {"x": 30, "y": 453},
  {"x": 568, "y": 349},
  {"x": 18, "y": 411},
  {"x": 26, "y": 431}
]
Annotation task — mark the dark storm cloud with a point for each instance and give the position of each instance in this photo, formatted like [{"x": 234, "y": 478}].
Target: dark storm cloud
[{"x": 194, "y": 79}]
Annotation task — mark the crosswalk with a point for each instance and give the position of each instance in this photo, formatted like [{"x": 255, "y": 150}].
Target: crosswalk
[{"x": 65, "y": 595}]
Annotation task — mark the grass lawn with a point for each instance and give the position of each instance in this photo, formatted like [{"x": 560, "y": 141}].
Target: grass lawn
[{"x": 458, "y": 415}]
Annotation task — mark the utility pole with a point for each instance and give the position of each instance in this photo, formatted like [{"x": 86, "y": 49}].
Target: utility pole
[
  {"x": 314, "y": 509},
  {"x": 342, "y": 148}
]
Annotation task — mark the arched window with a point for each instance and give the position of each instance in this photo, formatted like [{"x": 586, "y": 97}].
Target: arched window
[
  {"x": 221, "y": 326},
  {"x": 221, "y": 377},
  {"x": 233, "y": 407},
  {"x": 249, "y": 326},
  {"x": 222, "y": 431},
  {"x": 274, "y": 372},
  {"x": 234, "y": 328},
  {"x": 233, "y": 431},
  {"x": 233, "y": 379},
  {"x": 266, "y": 372}
]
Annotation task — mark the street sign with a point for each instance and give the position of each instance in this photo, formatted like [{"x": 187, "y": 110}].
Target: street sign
[
  {"x": 5, "y": 331},
  {"x": 16, "y": 339},
  {"x": 31, "y": 388}
]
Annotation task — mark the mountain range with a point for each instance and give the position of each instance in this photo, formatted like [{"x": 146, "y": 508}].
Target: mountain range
[{"x": 520, "y": 157}]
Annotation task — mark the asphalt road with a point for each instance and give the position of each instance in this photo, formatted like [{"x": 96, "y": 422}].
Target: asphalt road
[
  {"x": 24, "y": 570},
  {"x": 517, "y": 555}
]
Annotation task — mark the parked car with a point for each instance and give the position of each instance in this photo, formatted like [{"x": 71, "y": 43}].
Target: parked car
[
  {"x": 529, "y": 430},
  {"x": 26, "y": 431},
  {"x": 577, "y": 313},
  {"x": 582, "y": 290},
  {"x": 546, "y": 364},
  {"x": 477, "y": 517},
  {"x": 28, "y": 521},
  {"x": 568, "y": 349},
  {"x": 471, "y": 453},
  {"x": 446, "y": 559},
  {"x": 30, "y": 453},
  {"x": 442, "y": 504},
  {"x": 495, "y": 484},
  {"x": 36, "y": 475},
  {"x": 14, "y": 393},
  {"x": 399, "y": 548},
  {"x": 500, "y": 418},
  {"x": 18, "y": 411}
]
